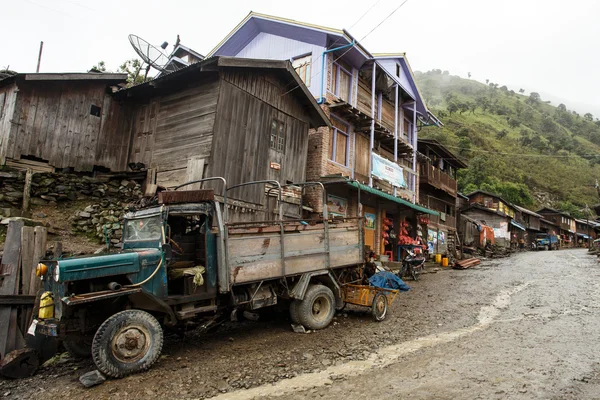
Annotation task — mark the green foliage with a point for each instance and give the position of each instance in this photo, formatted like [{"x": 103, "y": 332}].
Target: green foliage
[
  {"x": 510, "y": 141},
  {"x": 132, "y": 69},
  {"x": 99, "y": 67}
]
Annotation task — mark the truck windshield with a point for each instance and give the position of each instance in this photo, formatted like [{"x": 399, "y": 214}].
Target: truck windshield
[{"x": 148, "y": 228}]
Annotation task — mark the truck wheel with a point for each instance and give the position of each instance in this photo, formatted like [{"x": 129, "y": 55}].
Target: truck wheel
[
  {"x": 80, "y": 348},
  {"x": 318, "y": 307},
  {"x": 379, "y": 308},
  {"x": 128, "y": 342},
  {"x": 294, "y": 311}
]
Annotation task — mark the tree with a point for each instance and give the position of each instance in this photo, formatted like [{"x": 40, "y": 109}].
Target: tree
[
  {"x": 521, "y": 90},
  {"x": 463, "y": 133},
  {"x": 513, "y": 123},
  {"x": 132, "y": 69},
  {"x": 452, "y": 107},
  {"x": 502, "y": 134},
  {"x": 472, "y": 106},
  {"x": 99, "y": 67},
  {"x": 464, "y": 146},
  {"x": 487, "y": 81},
  {"x": 483, "y": 103},
  {"x": 588, "y": 117},
  {"x": 518, "y": 108},
  {"x": 469, "y": 75},
  {"x": 533, "y": 98},
  {"x": 561, "y": 107},
  {"x": 462, "y": 107}
]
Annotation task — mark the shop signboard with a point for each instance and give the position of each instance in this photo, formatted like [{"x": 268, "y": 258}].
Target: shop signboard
[
  {"x": 388, "y": 171},
  {"x": 337, "y": 206},
  {"x": 369, "y": 221}
]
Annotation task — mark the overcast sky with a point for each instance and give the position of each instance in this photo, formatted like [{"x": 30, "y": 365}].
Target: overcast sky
[{"x": 548, "y": 46}]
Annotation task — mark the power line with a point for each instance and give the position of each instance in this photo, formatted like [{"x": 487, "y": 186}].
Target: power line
[
  {"x": 331, "y": 46},
  {"x": 363, "y": 38},
  {"x": 524, "y": 155}
]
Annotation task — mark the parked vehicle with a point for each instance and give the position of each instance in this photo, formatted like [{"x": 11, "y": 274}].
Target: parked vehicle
[
  {"x": 183, "y": 262},
  {"x": 545, "y": 241},
  {"x": 412, "y": 265}
]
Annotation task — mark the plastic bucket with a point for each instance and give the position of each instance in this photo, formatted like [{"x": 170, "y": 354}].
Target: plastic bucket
[
  {"x": 444, "y": 261},
  {"x": 438, "y": 258}
]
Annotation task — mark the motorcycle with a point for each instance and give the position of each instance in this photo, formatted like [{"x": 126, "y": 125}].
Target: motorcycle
[{"x": 412, "y": 265}]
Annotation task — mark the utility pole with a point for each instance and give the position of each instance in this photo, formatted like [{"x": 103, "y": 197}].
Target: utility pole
[{"x": 40, "y": 57}]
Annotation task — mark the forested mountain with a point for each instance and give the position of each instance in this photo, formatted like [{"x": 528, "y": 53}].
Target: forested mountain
[{"x": 517, "y": 145}]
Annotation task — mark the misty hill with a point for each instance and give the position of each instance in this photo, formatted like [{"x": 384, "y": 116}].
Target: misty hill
[{"x": 519, "y": 146}]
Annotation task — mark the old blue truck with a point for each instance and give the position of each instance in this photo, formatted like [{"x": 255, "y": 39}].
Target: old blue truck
[
  {"x": 183, "y": 261},
  {"x": 546, "y": 241}
]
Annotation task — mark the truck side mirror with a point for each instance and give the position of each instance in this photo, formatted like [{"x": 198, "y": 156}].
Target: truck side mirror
[{"x": 167, "y": 252}]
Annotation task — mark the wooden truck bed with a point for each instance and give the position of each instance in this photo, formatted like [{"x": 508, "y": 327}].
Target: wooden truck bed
[{"x": 255, "y": 254}]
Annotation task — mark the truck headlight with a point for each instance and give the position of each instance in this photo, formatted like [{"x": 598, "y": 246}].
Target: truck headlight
[
  {"x": 41, "y": 270},
  {"x": 56, "y": 273}
]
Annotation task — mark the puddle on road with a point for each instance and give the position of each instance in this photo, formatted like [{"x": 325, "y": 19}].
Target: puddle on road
[{"x": 381, "y": 358}]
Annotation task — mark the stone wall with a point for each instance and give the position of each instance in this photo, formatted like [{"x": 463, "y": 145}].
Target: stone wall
[{"x": 107, "y": 198}]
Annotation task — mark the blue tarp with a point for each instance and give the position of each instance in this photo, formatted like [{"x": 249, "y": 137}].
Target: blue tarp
[
  {"x": 521, "y": 227},
  {"x": 387, "y": 280}
]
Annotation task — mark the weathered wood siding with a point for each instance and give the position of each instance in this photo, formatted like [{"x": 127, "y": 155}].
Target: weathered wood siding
[
  {"x": 8, "y": 99},
  {"x": 54, "y": 122},
  {"x": 248, "y": 104},
  {"x": 172, "y": 129}
]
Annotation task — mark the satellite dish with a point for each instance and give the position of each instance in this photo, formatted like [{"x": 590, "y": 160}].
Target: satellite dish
[{"x": 151, "y": 55}]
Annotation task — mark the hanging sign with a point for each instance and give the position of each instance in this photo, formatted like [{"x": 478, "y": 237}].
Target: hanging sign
[{"x": 388, "y": 171}]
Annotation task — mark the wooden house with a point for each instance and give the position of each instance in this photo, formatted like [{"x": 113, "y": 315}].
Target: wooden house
[
  {"x": 531, "y": 221},
  {"x": 226, "y": 117},
  {"x": 56, "y": 121},
  {"x": 438, "y": 191},
  {"x": 374, "y": 106},
  {"x": 497, "y": 213},
  {"x": 566, "y": 224}
]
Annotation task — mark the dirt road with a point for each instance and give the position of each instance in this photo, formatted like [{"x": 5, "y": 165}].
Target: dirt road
[{"x": 522, "y": 327}]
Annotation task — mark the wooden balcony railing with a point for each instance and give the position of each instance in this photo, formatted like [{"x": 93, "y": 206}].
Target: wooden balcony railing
[{"x": 437, "y": 178}]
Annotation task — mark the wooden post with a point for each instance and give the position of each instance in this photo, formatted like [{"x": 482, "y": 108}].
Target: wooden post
[
  {"x": 10, "y": 270},
  {"x": 37, "y": 70},
  {"x": 27, "y": 190},
  {"x": 27, "y": 261},
  {"x": 39, "y": 251},
  {"x": 57, "y": 250}
]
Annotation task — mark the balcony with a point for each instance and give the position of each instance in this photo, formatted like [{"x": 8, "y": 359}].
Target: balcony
[{"x": 435, "y": 177}]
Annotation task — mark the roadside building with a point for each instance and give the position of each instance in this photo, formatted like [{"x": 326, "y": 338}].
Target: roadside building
[
  {"x": 584, "y": 230},
  {"x": 219, "y": 117},
  {"x": 438, "y": 190},
  {"x": 493, "y": 211},
  {"x": 374, "y": 106},
  {"x": 566, "y": 224},
  {"x": 531, "y": 221},
  {"x": 61, "y": 121}
]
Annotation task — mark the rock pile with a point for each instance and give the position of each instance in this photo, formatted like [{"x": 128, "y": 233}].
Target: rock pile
[
  {"x": 104, "y": 218},
  {"x": 109, "y": 198}
]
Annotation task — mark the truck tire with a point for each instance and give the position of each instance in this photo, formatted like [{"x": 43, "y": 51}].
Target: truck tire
[
  {"x": 379, "y": 307},
  {"x": 80, "y": 348},
  {"x": 317, "y": 309},
  {"x": 294, "y": 316},
  {"x": 128, "y": 342}
]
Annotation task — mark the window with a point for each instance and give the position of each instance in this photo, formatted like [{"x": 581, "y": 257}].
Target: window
[
  {"x": 342, "y": 83},
  {"x": 302, "y": 65},
  {"x": 277, "y": 139},
  {"x": 95, "y": 110},
  {"x": 339, "y": 142}
]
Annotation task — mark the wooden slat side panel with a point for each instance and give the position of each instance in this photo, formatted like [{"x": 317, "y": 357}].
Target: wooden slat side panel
[
  {"x": 256, "y": 258},
  {"x": 7, "y": 105}
]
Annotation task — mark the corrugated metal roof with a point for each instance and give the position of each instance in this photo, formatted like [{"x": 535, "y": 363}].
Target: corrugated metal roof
[{"x": 398, "y": 200}]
